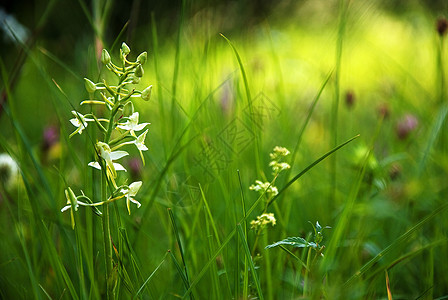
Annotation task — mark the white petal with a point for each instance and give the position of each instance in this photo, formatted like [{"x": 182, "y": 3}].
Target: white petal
[
  {"x": 139, "y": 127},
  {"x": 95, "y": 165},
  {"x": 75, "y": 122},
  {"x": 118, "y": 154},
  {"x": 65, "y": 208},
  {"x": 134, "y": 118},
  {"x": 141, "y": 146},
  {"x": 135, "y": 201},
  {"x": 119, "y": 167},
  {"x": 124, "y": 126},
  {"x": 134, "y": 188}
]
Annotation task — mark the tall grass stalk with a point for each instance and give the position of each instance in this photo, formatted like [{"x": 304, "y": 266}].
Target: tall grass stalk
[
  {"x": 342, "y": 20},
  {"x": 249, "y": 105},
  {"x": 174, "y": 116}
]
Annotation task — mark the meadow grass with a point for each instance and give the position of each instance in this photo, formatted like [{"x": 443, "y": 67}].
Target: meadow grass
[{"x": 220, "y": 104}]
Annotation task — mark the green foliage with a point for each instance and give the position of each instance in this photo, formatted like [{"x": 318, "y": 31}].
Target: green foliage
[{"x": 217, "y": 202}]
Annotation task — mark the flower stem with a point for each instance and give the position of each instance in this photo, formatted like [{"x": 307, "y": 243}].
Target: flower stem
[{"x": 107, "y": 244}]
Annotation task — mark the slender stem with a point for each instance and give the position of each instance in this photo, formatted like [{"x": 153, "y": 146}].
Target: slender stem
[
  {"x": 337, "y": 84},
  {"x": 110, "y": 281},
  {"x": 307, "y": 272},
  {"x": 107, "y": 242}
]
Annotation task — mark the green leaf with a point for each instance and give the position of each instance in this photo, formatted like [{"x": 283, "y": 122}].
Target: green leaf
[{"x": 296, "y": 242}]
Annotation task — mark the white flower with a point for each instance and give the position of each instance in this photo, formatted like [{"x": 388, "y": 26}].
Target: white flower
[
  {"x": 279, "y": 152},
  {"x": 109, "y": 156},
  {"x": 263, "y": 220},
  {"x": 80, "y": 122},
  {"x": 140, "y": 141},
  {"x": 276, "y": 156},
  {"x": 131, "y": 192},
  {"x": 264, "y": 186},
  {"x": 277, "y": 167},
  {"x": 140, "y": 144},
  {"x": 132, "y": 124},
  {"x": 9, "y": 170}
]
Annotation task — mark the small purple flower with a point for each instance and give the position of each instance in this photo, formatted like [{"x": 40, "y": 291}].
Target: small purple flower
[
  {"x": 135, "y": 168},
  {"x": 406, "y": 125},
  {"x": 50, "y": 137}
]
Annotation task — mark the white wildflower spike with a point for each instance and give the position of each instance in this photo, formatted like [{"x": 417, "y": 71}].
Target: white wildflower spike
[
  {"x": 118, "y": 127},
  {"x": 131, "y": 192},
  {"x": 80, "y": 122}
]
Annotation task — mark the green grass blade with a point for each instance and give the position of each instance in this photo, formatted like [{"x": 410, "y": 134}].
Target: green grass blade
[
  {"x": 215, "y": 229},
  {"x": 56, "y": 261},
  {"x": 249, "y": 102},
  {"x": 342, "y": 16},
  {"x": 179, "y": 243},
  {"x": 176, "y": 65},
  {"x": 150, "y": 276},
  {"x": 434, "y": 133},
  {"x": 304, "y": 171},
  {"x": 294, "y": 256},
  {"x": 307, "y": 120},
  {"x": 243, "y": 72},
  {"x": 405, "y": 257},
  {"x": 251, "y": 262},
  {"x": 180, "y": 271},
  {"x": 246, "y": 269}
]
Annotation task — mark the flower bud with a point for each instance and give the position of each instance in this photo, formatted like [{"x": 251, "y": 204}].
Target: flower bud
[
  {"x": 142, "y": 58},
  {"x": 146, "y": 93},
  {"x": 350, "y": 99},
  {"x": 139, "y": 71},
  {"x": 90, "y": 86},
  {"x": 105, "y": 57},
  {"x": 125, "y": 49},
  {"x": 71, "y": 197},
  {"x": 135, "y": 79},
  {"x": 383, "y": 111}
]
